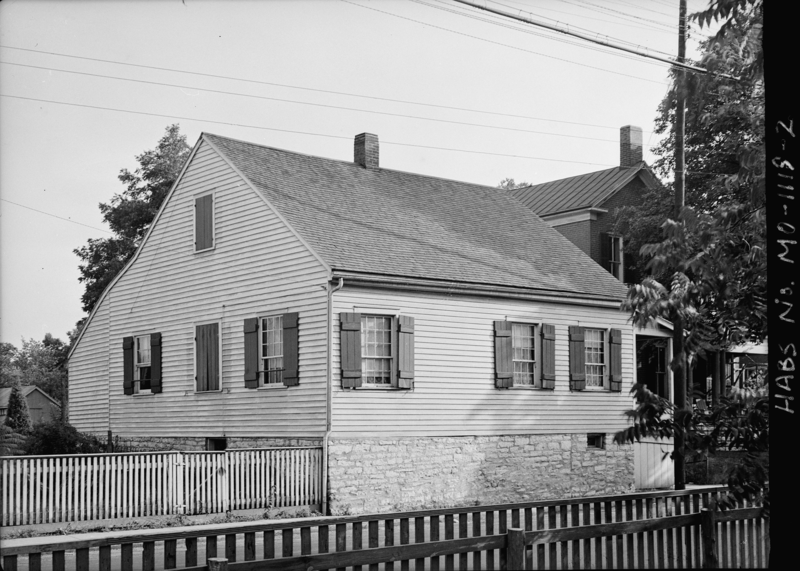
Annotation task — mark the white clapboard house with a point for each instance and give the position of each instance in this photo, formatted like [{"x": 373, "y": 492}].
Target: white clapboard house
[{"x": 442, "y": 342}]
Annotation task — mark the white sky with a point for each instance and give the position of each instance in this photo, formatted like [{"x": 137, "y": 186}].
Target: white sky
[{"x": 569, "y": 99}]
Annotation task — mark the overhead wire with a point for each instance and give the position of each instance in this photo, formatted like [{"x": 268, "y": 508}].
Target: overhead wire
[
  {"x": 172, "y": 116},
  {"x": 54, "y": 216},
  {"x": 292, "y": 101},
  {"x": 496, "y": 20},
  {"x": 288, "y": 86},
  {"x": 624, "y": 15},
  {"x": 505, "y": 45}
]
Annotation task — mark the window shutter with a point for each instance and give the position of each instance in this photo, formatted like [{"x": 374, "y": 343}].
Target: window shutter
[
  {"x": 577, "y": 359},
  {"x": 127, "y": 365},
  {"x": 291, "y": 361},
  {"x": 155, "y": 363},
  {"x": 605, "y": 251},
  {"x": 207, "y": 343},
  {"x": 350, "y": 348},
  {"x": 405, "y": 352},
  {"x": 204, "y": 222},
  {"x": 503, "y": 355},
  {"x": 615, "y": 349},
  {"x": 548, "y": 357},
  {"x": 251, "y": 353}
]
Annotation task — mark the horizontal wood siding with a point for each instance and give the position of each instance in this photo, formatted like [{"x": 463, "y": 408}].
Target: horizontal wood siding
[
  {"x": 454, "y": 381},
  {"x": 88, "y": 375},
  {"x": 257, "y": 266}
]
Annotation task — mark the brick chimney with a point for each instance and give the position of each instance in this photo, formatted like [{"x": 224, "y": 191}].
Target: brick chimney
[
  {"x": 630, "y": 145},
  {"x": 366, "y": 150}
]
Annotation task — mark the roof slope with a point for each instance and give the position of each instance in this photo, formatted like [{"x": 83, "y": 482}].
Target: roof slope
[
  {"x": 381, "y": 221},
  {"x": 572, "y": 193}
]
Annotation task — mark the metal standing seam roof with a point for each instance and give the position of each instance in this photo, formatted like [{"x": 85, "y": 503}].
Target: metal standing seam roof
[
  {"x": 387, "y": 222},
  {"x": 575, "y": 192}
]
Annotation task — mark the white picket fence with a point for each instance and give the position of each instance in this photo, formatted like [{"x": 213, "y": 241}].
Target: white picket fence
[{"x": 83, "y": 487}]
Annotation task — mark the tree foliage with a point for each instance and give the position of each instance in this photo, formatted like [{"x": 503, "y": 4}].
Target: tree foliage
[
  {"x": 58, "y": 437},
  {"x": 510, "y": 184},
  {"x": 18, "y": 417},
  {"x": 130, "y": 213}
]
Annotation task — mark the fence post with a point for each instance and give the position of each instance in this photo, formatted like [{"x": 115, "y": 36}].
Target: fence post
[
  {"x": 515, "y": 548},
  {"x": 217, "y": 564},
  {"x": 708, "y": 528}
]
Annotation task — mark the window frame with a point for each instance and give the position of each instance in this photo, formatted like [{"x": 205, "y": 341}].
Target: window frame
[
  {"x": 393, "y": 358},
  {"x": 213, "y": 245},
  {"x": 195, "y": 325},
  {"x": 606, "y": 364},
  {"x": 137, "y": 367},
  {"x": 262, "y": 370},
  {"x": 616, "y": 267},
  {"x": 537, "y": 353}
]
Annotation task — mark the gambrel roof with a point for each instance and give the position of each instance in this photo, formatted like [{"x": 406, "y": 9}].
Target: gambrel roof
[
  {"x": 385, "y": 222},
  {"x": 582, "y": 191}
]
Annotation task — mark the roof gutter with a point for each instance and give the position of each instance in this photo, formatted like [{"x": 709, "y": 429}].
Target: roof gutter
[{"x": 451, "y": 288}]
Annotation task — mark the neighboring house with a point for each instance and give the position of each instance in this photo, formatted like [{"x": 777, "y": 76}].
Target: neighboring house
[
  {"x": 43, "y": 407},
  {"x": 582, "y": 207},
  {"x": 443, "y": 344}
]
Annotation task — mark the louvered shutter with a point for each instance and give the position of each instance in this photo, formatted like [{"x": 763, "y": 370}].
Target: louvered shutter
[
  {"x": 204, "y": 222},
  {"x": 350, "y": 347},
  {"x": 605, "y": 251},
  {"x": 577, "y": 359},
  {"x": 405, "y": 352},
  {"x": 207, "y": 359},
  {"x": 548, "y": 356},
  {"x": 615, "y": 357},
  {"x": 251, "y": 353},
  {"x": 291, "y": 362},
  {"x": 127, "y": 365},
  {"x": 155, "y": 363},
  {"x": 503, "y": 355}
]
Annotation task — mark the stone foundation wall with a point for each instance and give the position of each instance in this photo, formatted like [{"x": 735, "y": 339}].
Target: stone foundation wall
[
  {"x": 386, "y": 474},
  {"x": 189, "y": 444}
]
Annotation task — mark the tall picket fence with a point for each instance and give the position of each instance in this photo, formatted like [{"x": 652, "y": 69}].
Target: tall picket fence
[{"x": 83, "y": 487}]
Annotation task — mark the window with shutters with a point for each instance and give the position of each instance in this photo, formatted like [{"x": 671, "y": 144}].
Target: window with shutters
[
  {"x": 523, "y": 344},
  {"x": 142, "y": 363},
  {"x": 208, "y": 371},
  {"x": 594, "y": 343},
  {"x": 204, "y": 223},
  {"x": 377, "y": 351},
  {"x": 377, "y": 362},
  {"x": 271, "y": 351}
]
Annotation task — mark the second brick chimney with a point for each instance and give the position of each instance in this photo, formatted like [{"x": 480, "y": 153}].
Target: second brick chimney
[
  {"x": 630, "y": 146},
  {"x": 366, "y": 151}
]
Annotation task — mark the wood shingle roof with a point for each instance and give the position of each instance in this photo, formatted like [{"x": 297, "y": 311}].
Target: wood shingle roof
[{"x": 386, "y": 222}]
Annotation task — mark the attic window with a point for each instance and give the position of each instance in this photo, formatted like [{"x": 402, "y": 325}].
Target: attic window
[{"x": 204, "y": 222}]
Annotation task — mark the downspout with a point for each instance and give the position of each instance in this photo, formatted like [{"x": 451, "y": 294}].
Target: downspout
[{"x": 328, "y": 393}]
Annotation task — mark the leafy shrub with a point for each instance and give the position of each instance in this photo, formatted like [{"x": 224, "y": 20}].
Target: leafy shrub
[
  {"x": 18, "y": 418},
  {"x": 57, "y": 437}
]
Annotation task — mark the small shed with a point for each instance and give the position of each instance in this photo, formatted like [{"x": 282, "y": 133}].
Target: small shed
[{"x": 43, "y": 407}]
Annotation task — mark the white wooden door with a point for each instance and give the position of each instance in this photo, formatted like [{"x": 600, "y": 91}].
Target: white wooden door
[{"x": 653, "y": 468}]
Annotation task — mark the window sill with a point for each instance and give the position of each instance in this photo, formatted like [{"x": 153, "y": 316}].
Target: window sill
[
  {"x": 374, "y": 388},
  {"x": 527, "y": 388},
  {"x": 205, "y": 250},
  {"x": 143, "y": 394},
  {"x": 272, "y": 387},
  {"x": 216, "y": 392}
]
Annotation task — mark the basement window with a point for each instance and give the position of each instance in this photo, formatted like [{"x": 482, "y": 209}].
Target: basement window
[
  {"x": 596, "y": 441},
  {"x": 216, "y": 444}
]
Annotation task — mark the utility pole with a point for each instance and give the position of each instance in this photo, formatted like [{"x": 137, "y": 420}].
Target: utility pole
[{"x": 680, "y": 199}]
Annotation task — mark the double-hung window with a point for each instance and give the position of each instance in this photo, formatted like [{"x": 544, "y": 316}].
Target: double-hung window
[
  {"x": 377, "y": 351},
  {"x": 207, "y": 361},
  {"x": 142, "y": 363},
  {"x": 594, "y": 345},
  {"x": 377, "y": 355},
  {"x": 611, "y": 254},
  {"x": 523, "y": 343},
  {"x": 271, "y": 351},
  {"x": 524, "y": 355}
]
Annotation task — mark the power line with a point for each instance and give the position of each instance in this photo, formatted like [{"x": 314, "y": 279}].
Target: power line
[
  {"x": 309, "y": 88},
  {"x": 495, "y": 20},
  {"x": 663, "y": 27},
  {"x": 54, "y": 216},
  {"x": 627, "y": 15},
  {"x": 505, "y": 45},
  {"x": 297, "y": 132},
  {"x": 148, "y": 82}
]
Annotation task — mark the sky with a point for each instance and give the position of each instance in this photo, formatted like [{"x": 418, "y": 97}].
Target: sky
[{"x": 451, "y": 91}]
